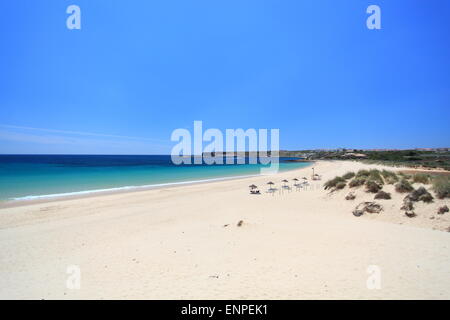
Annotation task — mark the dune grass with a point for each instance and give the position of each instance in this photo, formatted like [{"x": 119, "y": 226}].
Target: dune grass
[
  {"x": 362, "y": 173},
  {"x": 389, "y": 177},
  {"x": 375, "y": 176},
  {"x": 403, "y": 186},
  {"x": 421, "y": 194},
  {"x": 441, "y": 186},
  {"x": 421, "y": 178},
  {"x": 357, "y": 182},
  {"x": 348, "y": 175},
  {"x": 333, "y": 182},
  {"x": 340, "y": 185},
  {"x": 383, "y": 195},
  {"x": 405, "y": 176},
  {"x": 372, "y": 186}
]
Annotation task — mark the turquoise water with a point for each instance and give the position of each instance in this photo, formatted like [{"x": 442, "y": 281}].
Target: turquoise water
[{"x": 34, "y": 176}]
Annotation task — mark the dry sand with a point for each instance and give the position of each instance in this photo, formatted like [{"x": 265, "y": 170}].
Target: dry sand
[{"x": 183, "y": 243}]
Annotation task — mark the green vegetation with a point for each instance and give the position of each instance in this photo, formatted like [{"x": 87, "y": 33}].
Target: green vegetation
[
  {"x": 333, "y": 182},
  {"x": 372, "y": 186},
  {"x": 383, "y": 195},
  {"x": 421, "y": 178},
  {"x": 357, "y": 182},
  {"x": 403, "y": 186},
  {"x": 433, "y": 158},
  {"x": 441, "y": 186},
  {"x": 420, "y": 194},
  {"x": 416, "y": 158},
  {"x": 405, "y": 176},
  {"x": 374, "y": 175},
  {"x": 411, "y": 158},
  {"x": 362, "y": 174},
  {"x": 348, "y": 175},
  {"x": 390, "y": 177},
  {"x": 340, "y": 185}
]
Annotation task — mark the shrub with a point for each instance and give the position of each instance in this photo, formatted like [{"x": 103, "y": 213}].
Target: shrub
[
  {"x": 441, "y": 187},
  {"x": 403, "y": 186},
  {"x": 421, "y": 178},
  {"x": 383, "y": 195},
  {"x": 407, "y": 204},
  {"x": 387, "y": 173},
  {"x": 333, "y": 182},
  {"x": 348, "y": 175},
  {"x": 427, "y": 198},
  {"x": 340, "y": 185},
  {"x": 443, "y": 210},
  {"x": 391, "y": 179},
  {"x": 372, "y": 186},
  {"x": 374, "y": 175},
  {"x": 410, "y": 214},
  {"x": 362, "y": 174},
  {"x": 389, "y": 176},
  {"x": 350, "y": 196},
  {"x": 420, "y": 194},
  {"x": 405, "y": 176},
  {"x": 357, "y": 182}
]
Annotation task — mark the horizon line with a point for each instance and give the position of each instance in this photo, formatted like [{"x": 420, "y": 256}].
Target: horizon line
[{"x": 168, "y": 154}]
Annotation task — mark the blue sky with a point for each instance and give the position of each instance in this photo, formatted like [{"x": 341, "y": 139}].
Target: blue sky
[{"x": 137, "y": 70}]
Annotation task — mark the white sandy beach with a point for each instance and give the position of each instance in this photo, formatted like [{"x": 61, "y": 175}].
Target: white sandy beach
[{"x": 183, "y": 243}]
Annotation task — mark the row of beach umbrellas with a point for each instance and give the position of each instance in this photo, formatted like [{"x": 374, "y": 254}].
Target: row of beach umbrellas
[
  {"x": 286, "y": 181},
  {"x": 270, "y": 183}
]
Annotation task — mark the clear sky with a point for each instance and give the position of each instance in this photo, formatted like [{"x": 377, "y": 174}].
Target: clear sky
[{"x": 137, "y": 70}]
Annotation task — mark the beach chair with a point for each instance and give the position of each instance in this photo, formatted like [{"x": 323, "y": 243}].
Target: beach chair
[{"x": 298, "y": 186}]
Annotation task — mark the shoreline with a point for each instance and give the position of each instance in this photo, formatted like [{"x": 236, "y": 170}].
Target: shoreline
[
  {"x": 23, "y": 201},
  {"x": 104, "y": 192}
]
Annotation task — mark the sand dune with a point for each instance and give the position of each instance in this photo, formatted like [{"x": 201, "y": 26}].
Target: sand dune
[{"x": 184, "y": 243}]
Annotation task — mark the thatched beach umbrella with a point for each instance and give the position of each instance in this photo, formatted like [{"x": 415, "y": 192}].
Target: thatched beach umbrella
[
  {"x": 296, "y": 184},
  {"x": 285, "y": 185},
  {"x": 271, "y": 189},
  {"x": 252, "y": 186}
]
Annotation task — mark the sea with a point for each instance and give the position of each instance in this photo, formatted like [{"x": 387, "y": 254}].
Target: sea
[{"x": 25, "y": 177}]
